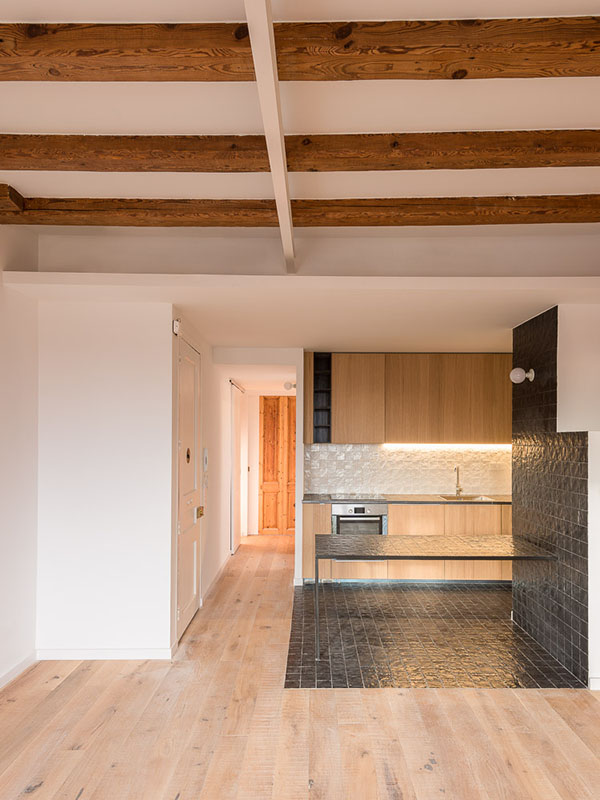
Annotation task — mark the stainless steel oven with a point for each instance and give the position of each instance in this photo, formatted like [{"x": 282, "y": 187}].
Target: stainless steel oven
[{"x": 359, "y": 518}]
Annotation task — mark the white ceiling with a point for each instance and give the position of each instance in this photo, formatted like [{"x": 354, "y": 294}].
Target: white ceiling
[
  {"x": 396, "y": 314},
  {"x": 308, "y": 107},
  {"x": 317, "y": 185},
  {"x": 233, "y": 10}
]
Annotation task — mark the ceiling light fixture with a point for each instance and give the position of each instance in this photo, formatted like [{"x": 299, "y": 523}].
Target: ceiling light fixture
[{"x": 518, "y": 375}]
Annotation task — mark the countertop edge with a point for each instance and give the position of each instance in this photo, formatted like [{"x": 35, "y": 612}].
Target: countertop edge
[{"x": 435, "y": 500}]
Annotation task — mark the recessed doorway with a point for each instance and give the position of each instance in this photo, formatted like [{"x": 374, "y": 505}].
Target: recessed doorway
[{"x": 277, "y": 465}]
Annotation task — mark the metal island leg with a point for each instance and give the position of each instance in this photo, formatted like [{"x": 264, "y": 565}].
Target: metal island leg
[{"x": 317, "y": 639}]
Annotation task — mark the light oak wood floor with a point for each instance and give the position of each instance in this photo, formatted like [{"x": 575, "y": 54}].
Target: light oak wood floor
[{"x": 217, "y": 724}]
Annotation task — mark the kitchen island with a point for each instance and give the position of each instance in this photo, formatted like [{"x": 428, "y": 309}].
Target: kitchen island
[{"x": 360, "y": 547}]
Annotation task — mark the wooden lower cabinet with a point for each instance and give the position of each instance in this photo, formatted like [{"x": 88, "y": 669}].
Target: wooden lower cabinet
[
  {"x": 473, "y": 520},
  {"x": 359, "y": 570},
  {"x": 506, "y": 531},
  {"x": 316, "y": 518},
  {"x": 416, "y": 520}
]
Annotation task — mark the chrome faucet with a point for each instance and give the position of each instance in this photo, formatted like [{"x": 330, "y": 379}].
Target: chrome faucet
[{"x": 459, "y": 489}]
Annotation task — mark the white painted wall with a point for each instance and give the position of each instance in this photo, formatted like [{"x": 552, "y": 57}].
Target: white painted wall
[
  {"x": 494, "y": 250},
  {"x": 578, "y": 368},
  {"x": 594, "y": 557},
  {"x": 105, "y": 453},
  {"x": 18, "y": 465}
]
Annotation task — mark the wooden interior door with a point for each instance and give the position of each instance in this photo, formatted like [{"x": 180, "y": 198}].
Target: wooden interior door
[
  {"x": 277, "y": 506},
  {"x": 189, "y": 487}
]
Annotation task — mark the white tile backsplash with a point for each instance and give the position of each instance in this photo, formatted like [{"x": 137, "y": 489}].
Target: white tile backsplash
[{"x": 374, "y": 469}]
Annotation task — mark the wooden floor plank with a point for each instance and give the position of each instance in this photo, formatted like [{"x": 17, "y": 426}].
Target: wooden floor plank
[
  {"x": 324, "y": 756},
  {"x": 579, "y": 711},
  {"x": 532, "y": 780},
  {"x": 216, "y": 722}
]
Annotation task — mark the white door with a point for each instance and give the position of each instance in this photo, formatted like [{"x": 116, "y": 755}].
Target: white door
[
  {"x": 236, "y": 455},
  {"x": 189, "y": 487}
]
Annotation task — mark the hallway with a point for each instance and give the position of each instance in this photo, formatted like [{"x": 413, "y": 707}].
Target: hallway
[{"x": 216, "y": 723}]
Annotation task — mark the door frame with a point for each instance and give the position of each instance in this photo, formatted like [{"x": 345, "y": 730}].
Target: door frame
[
  {"x": 233, "y": 460},
  {"x": 180, "y": 336}
]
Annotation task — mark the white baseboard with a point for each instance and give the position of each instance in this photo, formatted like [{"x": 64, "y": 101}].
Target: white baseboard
[
  {"x": 594, "y": 684},
  {"x": 17, "y": 670},
  {"x": 117, "y": 654}
]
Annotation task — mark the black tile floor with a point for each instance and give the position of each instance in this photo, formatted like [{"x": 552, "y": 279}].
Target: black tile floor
[{"x": 416, "y": 635}]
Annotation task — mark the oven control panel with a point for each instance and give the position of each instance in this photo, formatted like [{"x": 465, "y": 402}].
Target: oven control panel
[{"x": 348, "y": 509}]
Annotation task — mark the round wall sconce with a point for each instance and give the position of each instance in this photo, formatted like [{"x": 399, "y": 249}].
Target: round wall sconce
[
  {"x": 518, "y": 375},
  {"x": 288, "y": 386}
]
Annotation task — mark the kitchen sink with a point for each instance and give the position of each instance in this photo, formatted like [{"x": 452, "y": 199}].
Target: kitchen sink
[{"x": 471, "y": 498}]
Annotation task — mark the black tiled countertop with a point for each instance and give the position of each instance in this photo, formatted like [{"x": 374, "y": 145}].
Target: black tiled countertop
[
  {"x": 392, "y": 499},
  {"x": 355, "y": 547}
]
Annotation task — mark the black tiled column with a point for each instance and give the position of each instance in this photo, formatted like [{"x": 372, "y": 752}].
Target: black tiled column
[{"x": 549, "y": 477}]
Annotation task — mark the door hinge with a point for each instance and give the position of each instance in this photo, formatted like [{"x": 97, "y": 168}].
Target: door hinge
[
  {"x": 176, "y": 326},
  {"x": 178, "y": 613}
]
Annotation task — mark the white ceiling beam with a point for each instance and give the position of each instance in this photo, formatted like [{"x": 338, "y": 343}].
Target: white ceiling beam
[{"x": 262, "y": 40}]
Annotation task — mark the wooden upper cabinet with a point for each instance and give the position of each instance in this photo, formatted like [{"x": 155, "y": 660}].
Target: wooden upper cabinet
[
  {"x": 476, "y": 398},
  {"x": 413, "y": 397},
  {"x": 358, "y": 398},
  {"x": 448, "y": 398}
]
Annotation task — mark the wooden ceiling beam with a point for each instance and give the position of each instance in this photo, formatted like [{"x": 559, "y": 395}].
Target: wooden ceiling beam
[
  {"x": 306, "y": 51},
  {"x": 307, "y": 213},
  {"x": 452, "y": 150},
  {"x": 10, "y": 199},
  {"x": 447, "y": 211},
  {"x": 314, "y": 153},
  {"x": 133, "y": 153},
  {"x": 144, "y": 213}
]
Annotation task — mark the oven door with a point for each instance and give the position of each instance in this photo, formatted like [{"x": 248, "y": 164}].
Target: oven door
[{"x": 361, "y": 524}]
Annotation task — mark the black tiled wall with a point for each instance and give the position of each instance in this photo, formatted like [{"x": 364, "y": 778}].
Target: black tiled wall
[{"x": 549, "y": 485}]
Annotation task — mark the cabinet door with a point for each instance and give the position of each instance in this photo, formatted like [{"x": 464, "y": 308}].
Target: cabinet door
[
  {"x": 476, "y": 398},
  {"x": 358, "y": 570},
  {"x": 413, "y": 410},
  {"x": 506, "y": 531},
  {"x": 473, "y": 520},
  {"x": 358, "y": 398},
  {"x": 416, "y": 520},
  {"x": 316, "y": 518}
]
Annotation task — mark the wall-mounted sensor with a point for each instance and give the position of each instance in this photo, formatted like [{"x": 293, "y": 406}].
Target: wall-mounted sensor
[{"x": 518, "y": 375}]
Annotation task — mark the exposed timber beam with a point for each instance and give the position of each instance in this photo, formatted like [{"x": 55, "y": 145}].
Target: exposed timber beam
[
  {"x": 306, "y": 213},
  {"x": 314, "y": 153},
  {"x": 430, "y": 49},
  {"x": 447, "y": 211},
  {"x": 143, "y": 213},
  {"x": 10, "y": 199},
  {"x": 133, "y": 153},
  {"x": 260, "y": 26}
]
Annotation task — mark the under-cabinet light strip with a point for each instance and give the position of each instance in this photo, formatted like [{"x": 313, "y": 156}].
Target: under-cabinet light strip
[{"x": 417, "y": 446}]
